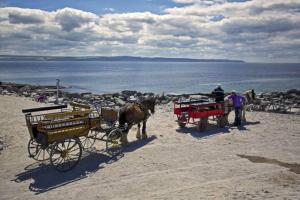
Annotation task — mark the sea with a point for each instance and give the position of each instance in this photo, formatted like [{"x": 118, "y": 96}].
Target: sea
[{"x": 158, "y": 77}]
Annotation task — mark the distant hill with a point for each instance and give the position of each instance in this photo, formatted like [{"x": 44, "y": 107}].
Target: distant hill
[{"x": 108, "y": 58}]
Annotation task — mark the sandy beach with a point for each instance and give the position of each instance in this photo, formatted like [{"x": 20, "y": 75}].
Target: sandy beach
[{"x": 260, "y": 160}]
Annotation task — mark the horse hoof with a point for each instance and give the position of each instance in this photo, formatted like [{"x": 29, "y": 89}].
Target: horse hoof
[
  {"x": 125, "y": 144},
  {"x": 144, "y": 137}
]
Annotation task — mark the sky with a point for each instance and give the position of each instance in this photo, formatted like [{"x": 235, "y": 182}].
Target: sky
[{"x": 250, "y": 30}]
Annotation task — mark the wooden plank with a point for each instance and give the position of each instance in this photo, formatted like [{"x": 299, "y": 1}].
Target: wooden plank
[{"x": 43, "y": 108}]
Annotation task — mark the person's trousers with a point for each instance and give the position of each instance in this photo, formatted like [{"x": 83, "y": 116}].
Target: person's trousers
[{"x": 237, "y": 119}]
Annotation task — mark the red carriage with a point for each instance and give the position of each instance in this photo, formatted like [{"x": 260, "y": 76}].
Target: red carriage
[{"x": 198, "y": 112}]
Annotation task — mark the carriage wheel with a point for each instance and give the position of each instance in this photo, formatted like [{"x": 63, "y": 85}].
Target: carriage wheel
[
  {"x": 36, "y": 151},
  {"x": 88, "y": 142},
  {"x": 113, "y": 144},
  {"x": 65, "y": 154},
  {"x": 221, "y": 121},
  {"x": 181, "y": 121},
  {"x": 202, "y": 124}
]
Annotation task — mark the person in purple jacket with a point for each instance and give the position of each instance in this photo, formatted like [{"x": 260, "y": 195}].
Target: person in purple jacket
[{"x": 237, "y": 101}]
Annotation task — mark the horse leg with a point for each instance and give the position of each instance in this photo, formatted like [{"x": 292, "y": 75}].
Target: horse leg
[
  {"x": 243, "y": 117},
  {"x": 226, "y": 122},
  {"x": 124, "y": 139},
  {"x": 144, "y": 134},
  {"x": 138, "y": 134}
]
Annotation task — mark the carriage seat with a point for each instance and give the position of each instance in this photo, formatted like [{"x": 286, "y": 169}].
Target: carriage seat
[{"x": 109, "y": 116}]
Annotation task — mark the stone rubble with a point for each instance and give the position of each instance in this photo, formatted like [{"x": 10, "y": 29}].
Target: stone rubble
[{"x": 280, "y": 102}]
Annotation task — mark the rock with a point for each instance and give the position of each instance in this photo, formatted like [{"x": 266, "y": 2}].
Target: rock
[
  {"x": 1, "y": 90},
  {"x": 148, "y": 94},
  {"x": 128, "y": 92},
  {"x": 72, "y": 95},
  {"x": 26, "y": 88},
  {"x": 110, "y": 104},
  {"x": 132, "y": 99},
  {"x": 12, "y": 89},
  {"x": 5, "y": 92},
  {"x": 260, "y": 95},
  {"x": 87, "y": 96},
  {"x": 33, "y": 95},
  {"x": 293, "y": 91},
  {"x": 164, "y": 102},
  {"x": 116, "y": 95},
  {"x": 276, "y": 94},
  {"x": 26, "y": 94},
  {"x": 174, "y": 98},
  {"x": 119, "y": 101},
  {"x": 51, "y": 99},
  {"x": 108, "y": 98},
  {"x": 60, "y": 100},
  {"x": 139, "y": 94}
]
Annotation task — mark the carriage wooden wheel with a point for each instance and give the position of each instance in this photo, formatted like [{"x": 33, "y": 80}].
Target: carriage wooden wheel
[
  {"x": 182, "y": 120},
  {"x": 88, "y": 141},
  {"x": 37, "y": 151},
  {"x": 64, "y": 135},
  {"x": 65, "y": 155},
  {"x": 113, "y": 144}
]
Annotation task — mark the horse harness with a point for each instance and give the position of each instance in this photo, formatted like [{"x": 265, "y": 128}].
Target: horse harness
[{"x": 144, "y": 109}]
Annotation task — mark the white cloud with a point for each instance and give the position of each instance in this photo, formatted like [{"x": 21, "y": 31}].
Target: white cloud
[
  {"x": 109, "y": 9},
  {"x": 254, "y": 30},
  {"x": 70, "y": 18}
]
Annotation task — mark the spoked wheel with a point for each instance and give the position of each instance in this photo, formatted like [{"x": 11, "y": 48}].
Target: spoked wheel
[
  {"x": 181, "y": 121},
  {"x": 65, "y": 154},
  {"x": 37, "y": 151},
  {"x": 113, "y": 144},
  {"x": 89, "y": 141}
]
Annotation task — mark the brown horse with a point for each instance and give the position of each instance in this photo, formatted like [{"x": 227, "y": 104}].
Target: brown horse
[{"x": 133, "y": 114}]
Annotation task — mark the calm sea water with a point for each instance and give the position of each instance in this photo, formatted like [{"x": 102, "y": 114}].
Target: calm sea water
[{"x": 103, "y": 77}]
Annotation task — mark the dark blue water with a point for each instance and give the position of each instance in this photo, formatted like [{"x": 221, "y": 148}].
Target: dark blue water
[{"x": 103, "y": 77}]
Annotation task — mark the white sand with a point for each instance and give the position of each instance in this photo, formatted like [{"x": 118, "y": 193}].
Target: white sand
[{"x": 172, "y": 164}]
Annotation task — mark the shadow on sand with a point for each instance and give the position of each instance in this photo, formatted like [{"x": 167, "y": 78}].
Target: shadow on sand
[
  {"x": 213, "y": 129},
  {"x": 45, "y": 178},
  {"x": 293, "y": 167},
  {"x": 136, "y": 144}
]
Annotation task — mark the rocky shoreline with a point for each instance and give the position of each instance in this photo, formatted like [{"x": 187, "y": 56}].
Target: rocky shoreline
[{"x": 279, "y": 102}]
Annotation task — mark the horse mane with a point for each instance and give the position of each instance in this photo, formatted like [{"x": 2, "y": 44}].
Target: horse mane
[{"x": 143, "y": 104}]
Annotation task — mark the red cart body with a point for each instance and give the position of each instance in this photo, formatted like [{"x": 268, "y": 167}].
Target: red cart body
[{"x": 198, "y": 112}]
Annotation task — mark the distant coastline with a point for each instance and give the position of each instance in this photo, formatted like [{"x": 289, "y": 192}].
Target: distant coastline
[{"x": 108, "y": 58}]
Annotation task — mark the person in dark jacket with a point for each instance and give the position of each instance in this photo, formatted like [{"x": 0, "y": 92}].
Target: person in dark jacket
[{"x": 218, "y": 93}]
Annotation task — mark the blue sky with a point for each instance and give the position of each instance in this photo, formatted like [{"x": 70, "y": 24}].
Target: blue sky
[
  {"x": 251, "y": 30},
  {"x": 96, "y": 6},
  {"x": 99, "y": 6}
]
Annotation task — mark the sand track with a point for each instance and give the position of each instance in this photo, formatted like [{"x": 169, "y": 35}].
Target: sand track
[{"x": 259, "y": 161}]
